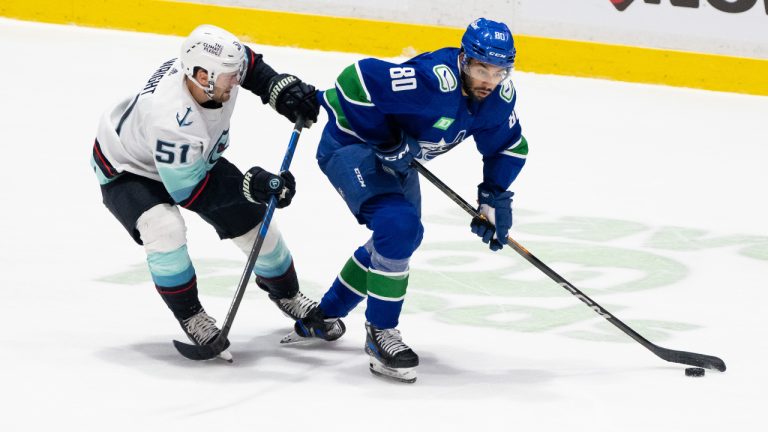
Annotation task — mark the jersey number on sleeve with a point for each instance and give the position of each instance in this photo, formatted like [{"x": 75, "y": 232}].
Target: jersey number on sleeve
[
  {"x": 403, "y": 78},
  {"x": 166, "y": 152}
]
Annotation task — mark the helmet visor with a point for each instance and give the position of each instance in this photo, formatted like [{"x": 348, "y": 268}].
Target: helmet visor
[
  {"x": 227, "y": 81},
  {"x": 230, "y": 76},
  {"x": 486, "y": 72}
]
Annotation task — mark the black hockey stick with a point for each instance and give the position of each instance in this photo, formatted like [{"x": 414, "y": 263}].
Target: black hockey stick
[
  {"x": 683, "y": 357},
  {"x": 213, "y": 349}
]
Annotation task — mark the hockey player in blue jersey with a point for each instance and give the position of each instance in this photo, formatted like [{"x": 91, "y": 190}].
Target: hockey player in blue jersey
[
  {"x": 382, "y": 116},
  {"x": 161, "y": 149}
]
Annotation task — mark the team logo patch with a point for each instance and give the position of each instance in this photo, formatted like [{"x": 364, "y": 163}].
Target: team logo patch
[
  {"x": 274, "y": 183},
  {"x": 447, "y": 79},
  {"x": 443, "y": 124},
  {"x": 218, "y": 149},
  {"x": 507, "y": 91}
]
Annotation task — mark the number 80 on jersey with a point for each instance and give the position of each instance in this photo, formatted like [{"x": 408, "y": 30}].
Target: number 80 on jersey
[{"x": 403, "y": 78}]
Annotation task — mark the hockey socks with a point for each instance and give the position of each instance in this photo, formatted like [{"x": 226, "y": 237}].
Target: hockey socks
[
  {"x": 386, "y": 291},
  {"x": 283, "y": 286},
  {"x": 350, "y": 286},
  {"x": 182, "y": 300}
]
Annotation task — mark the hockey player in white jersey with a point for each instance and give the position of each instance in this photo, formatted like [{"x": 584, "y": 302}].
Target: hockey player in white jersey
[{"x": 161, "y": 149}]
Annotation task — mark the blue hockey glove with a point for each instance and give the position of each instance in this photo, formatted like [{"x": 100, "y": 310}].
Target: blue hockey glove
[
  {"x": 496, "y": 209},
  {"x": 397, "y": 159}
]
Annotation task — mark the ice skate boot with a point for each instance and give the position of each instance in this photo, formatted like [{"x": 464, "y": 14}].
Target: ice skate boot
[
  {"x": 315, "y": 326},
  {"x": 389, "y": 356},
  {"x": 296, "y": 307},
  {"x": 201, "y": 330}
]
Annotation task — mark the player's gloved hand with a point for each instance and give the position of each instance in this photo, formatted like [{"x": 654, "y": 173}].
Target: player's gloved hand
[
  {"x": 496, "y": 209},
  {"x": 397, "y": 158},
  {"x": 292, "y": 97},
  {"x": 259, "y": 185}
]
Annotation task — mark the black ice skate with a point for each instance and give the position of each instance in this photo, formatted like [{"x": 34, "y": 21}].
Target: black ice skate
[
  {"x": 315, "y": 326},
  {"x": 201, "y": 330},
  {"x": 389, "y": 356},
  {"x": 296, "y": 307}
]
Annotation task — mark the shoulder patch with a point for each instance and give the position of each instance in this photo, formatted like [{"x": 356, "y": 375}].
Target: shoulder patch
[
  {"x": 507, "y": 91},
  {"x": 447, "y": 79}
]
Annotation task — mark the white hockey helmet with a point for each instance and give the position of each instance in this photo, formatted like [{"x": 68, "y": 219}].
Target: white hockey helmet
[{"x": 217, "y": 51}]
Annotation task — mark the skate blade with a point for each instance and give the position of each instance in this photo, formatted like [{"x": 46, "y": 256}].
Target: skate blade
[
  {"x": 405, "y": 375},
  {"x": 294, "y": 338}
]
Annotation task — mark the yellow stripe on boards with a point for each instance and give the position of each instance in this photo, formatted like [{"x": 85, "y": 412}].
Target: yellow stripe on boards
[
  {"x": 387, "y": 39},
  {"x": 642, "y": 65}
]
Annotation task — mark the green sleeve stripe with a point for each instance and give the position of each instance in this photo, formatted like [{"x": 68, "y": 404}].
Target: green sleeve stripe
[
  {"x": 354, "y": 277},
  {"x": 519, "y": 149},
  {"x": 351, "y": 85},
  {"x": 387, "y": 287},
  {"x": 332, "y": 99}
]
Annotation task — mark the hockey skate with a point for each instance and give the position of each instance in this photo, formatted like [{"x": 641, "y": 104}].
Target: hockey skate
[
  {"x": 296, "y": 307},
  {"x": 315, "y": 326},
  {"x": 390, "y": 357},
  {"x": 201, "y": 330}
]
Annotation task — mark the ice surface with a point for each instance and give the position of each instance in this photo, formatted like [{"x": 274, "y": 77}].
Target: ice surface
[{"x": 651, "y": 199}]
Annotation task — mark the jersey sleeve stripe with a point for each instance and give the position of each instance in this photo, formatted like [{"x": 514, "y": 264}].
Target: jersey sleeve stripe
[
  {"x": 352, "y": 87},
  {"x": 332, "y": 100},
  {"x": 126, "y": 114},
  {"x": 518, "y": 149},
  {"x": 106, "y": 168}
]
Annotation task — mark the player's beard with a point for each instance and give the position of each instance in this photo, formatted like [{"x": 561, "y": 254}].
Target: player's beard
[
  {"x": 472, "y": 92},
  {"x": 223, "y": 97}
]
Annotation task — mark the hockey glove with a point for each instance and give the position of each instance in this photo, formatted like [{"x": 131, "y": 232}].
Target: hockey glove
[
  {"x": 259, "y": 185},
  {"x": 496, "y": 211},
  {"x": 396, "y": 159},
  {"x": 292, "y": 97}
]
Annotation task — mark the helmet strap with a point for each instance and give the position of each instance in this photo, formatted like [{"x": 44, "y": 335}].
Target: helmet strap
[{"x": 206, "y": 90}]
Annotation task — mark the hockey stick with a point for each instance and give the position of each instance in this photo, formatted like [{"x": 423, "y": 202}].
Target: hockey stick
[
  {"x": 683, "y": 357},
  {"x": 213, "y": 349}
]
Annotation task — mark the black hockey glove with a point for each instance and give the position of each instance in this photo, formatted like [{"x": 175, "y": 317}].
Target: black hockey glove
[
  {"x": 496, "y": 211},
  {"x": 292, "y": 97},
  {"x": 259, "y": 185}
]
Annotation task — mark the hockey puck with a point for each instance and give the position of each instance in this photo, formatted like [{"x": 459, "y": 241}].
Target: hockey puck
[{"x": 694, "y": 372}]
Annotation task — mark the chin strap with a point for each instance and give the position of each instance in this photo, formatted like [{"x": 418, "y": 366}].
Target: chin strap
[{"x": 205, "y": 90}]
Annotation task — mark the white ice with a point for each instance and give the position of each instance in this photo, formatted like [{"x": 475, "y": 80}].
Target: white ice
[{"x": 649, "y": 198}]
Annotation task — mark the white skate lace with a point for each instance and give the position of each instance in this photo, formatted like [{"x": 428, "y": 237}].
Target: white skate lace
[
  {"x": 201, "y": 327},
  {"x": 298, "y": 305},
  {"x": 391, "y": 341}
]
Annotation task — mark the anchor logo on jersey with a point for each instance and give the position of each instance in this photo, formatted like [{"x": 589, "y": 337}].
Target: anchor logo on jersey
[
  {"x": 430, "y": 150},
  {"x": 182, "y": 121}
]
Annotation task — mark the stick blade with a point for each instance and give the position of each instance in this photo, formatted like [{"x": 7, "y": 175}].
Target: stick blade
[
  {"x": 691, "y": 359},
  {"x": 201, "y": 352}
]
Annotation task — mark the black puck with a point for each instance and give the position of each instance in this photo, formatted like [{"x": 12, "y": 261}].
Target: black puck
[{"x": 694, "y": 372}]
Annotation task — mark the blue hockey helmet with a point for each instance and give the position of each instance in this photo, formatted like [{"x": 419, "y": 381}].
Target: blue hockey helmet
[{"x": 489, "y": 42}]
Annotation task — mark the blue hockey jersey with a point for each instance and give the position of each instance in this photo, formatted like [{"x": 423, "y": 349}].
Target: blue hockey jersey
[{"x": 373, "y": 101}]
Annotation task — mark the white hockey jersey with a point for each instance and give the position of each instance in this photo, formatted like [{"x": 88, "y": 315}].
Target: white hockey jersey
[{"x": 163, "y": 134}]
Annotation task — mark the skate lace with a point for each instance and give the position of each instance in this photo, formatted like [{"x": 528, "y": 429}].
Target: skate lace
[
  {"x": 201, "y": 327},
  {"x": 298, "y": 305},
  {"x": 391, "y": 341}
]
